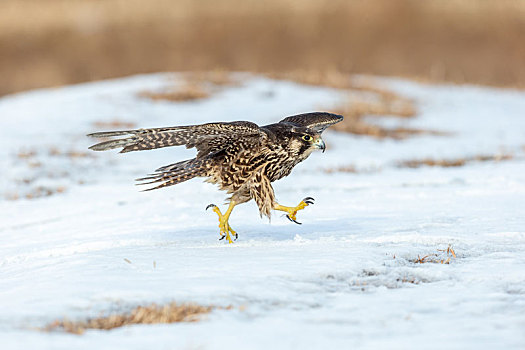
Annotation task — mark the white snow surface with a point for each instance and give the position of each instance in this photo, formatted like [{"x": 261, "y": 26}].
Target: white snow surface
[{"x": 345, "y": 279}]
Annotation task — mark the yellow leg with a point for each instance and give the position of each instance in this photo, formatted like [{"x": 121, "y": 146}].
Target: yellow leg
[
  {"x": 292, "y": 211},
  {"x": 225, "y": 229}
]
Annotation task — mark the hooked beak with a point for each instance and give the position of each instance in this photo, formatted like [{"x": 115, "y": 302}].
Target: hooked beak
[{"x": 319, "y": 143}]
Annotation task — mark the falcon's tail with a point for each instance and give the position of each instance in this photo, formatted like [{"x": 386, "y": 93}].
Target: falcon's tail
[
  {"x": 143, "y": 139},
  {"x": 176, "y": 173}
]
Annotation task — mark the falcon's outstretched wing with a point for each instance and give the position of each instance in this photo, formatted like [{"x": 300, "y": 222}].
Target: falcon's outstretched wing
[
  {"x": 316, "y": 121},
  {"x": 207, "y": 138}
]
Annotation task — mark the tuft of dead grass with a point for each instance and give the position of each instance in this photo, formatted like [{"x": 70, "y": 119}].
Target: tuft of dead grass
[
  {"x": 445, "y": 256},
  {"x": 379, "y": 102},
  {"x": 342, "y": 169},
  {"x": 215, "y": 78},
  {"x": 359, "y": 127},
  {"x": 446, "y": 163},
  {"x": 71, "y": 154},
  {"x": 329, "y": 78},
  {"x": 42, "y": 164},
  {"x": 195, "y": 86},
  {"x": 350, "y": 169},
  {"x": 44, "y": 191},
  {"x": 184, "y": 93},
  {"x": 36, "y": 192},
  {"x": 26, "y": 154},
  {"x": 386, "y": 104},
  {"x": 391, "y": 106},
  {"x": 152, "y": 314}
]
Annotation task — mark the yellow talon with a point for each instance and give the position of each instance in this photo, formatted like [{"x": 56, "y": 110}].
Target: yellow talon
[
  {"x": 225, "y": 229},
  {"x": 292, "y": 211}
]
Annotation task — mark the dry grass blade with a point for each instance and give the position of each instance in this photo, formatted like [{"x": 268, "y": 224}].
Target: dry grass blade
[
  {"x": 421, "y": 260},
  {"x": 170, "y": 313},
  {"x": 449, "y": 250}
]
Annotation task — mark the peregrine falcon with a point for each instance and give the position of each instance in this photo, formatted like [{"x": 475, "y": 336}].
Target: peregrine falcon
[{"x": 241, "y": 157}]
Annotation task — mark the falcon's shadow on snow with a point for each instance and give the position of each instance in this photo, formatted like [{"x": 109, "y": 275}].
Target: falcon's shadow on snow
[{"x": 278, "y": 230}]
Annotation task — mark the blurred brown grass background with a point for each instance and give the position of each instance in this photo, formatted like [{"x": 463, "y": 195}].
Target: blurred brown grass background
[{"x": 54, "y": 42}]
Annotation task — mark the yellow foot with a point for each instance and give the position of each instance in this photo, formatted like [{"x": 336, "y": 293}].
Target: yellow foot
[
  {"x": 292, "y": 211},
  {"x": 225, "y": 229}
]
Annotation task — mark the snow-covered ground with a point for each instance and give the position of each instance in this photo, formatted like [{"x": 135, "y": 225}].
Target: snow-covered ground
[{"x": 345, "y": 279}]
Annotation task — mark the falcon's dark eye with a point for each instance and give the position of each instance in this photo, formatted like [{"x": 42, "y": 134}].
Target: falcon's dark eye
[{"x": 307, "y": 138}]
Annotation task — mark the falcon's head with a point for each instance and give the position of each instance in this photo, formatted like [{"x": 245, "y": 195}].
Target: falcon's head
[
  {"x": 305, "y": 132},
  {"x": 303, "y": 142}
]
